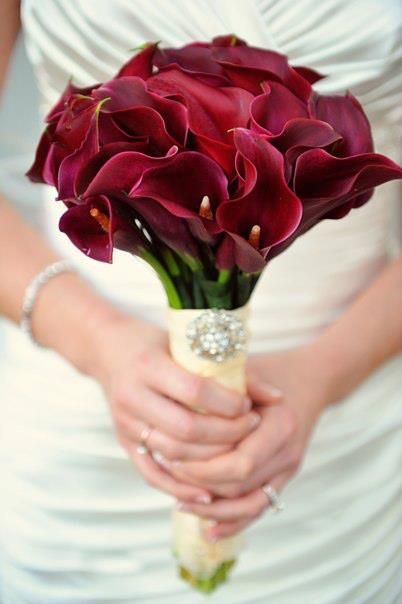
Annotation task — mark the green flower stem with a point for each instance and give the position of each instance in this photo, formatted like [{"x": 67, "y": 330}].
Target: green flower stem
[
  {"x": 193, "y": 263},
  {"x": 172, "y": 266},
  {"x": 199, "y": 301},
  {"x": 170, "y": 288},
  {"x": 224, "y": 276},
  {"x": 185, "y": 296}
]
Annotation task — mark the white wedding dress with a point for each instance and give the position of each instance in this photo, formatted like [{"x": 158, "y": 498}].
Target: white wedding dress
[{"x": 79, "y": 524}]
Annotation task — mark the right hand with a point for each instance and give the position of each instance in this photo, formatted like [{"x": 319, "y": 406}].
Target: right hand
[{"x": 145, "y": 387}]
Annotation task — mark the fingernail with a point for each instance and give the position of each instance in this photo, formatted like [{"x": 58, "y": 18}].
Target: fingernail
[
  {"x": 203, "y": 499},
  {"x": 181, "y": 505},
  {"x": 160, "y": 459},
  {"x": 274, "y": 392},
  {"x": 247, "y": 404},
  {"x": 255, "y": 419}
]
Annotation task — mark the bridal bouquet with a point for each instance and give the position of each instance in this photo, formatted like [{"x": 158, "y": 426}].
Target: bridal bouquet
[{"x": 206, "y": 161}]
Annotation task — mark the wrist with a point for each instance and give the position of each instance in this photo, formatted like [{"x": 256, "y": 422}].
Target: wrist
[
  {"x": 103, "y": 322},
  {"x": 67, "y": 316},
  {"x": 330, "y": 371},
  {"x": 317, "y": 373}
]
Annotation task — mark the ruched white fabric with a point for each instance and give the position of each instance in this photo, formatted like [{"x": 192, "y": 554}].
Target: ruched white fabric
[{"x": 79, "y": 525}]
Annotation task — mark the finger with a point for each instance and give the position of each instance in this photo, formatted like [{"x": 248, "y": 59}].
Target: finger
[
  {"x": 240, "y": 463},
  {"x": 249, "y": 506},
  {"x": 158, "y": 478},
  {"x": 227, "y": 529},
  {"x": 188, "y": 426},
  {"x": 169, "y": 448},
  {"x": 279, "y": 465},
  {"x": 194, "y": 391},
  {"x": 261, "y": 391}
]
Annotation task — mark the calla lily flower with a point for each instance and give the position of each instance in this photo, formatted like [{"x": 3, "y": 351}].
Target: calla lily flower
[
  {"x": 264, "y": 200},
  {"x": 98, "y": 225},
  {"x": 220, "y": 150}
]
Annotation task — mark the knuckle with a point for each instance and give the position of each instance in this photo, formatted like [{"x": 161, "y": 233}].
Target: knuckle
[
  {"x": 144, "y": 359},
  {"x": 123, "y": 399},
  {"x": 187, "y": 428},
  {"x": 173, "y": 450},
  {"x": 237, "y": 407},
  {"x": 194, "y": 389},
  {"x": 119, "y": 401}
]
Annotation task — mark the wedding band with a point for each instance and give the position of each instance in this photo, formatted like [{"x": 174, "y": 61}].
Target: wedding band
[
  {"x": 142, "y": 448},
  {"x": 273, "y": 498}
]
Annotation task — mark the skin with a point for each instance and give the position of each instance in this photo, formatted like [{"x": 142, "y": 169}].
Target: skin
[{"x": 225, "y": 458}]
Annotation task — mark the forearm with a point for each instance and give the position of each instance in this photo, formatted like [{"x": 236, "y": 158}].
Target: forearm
[
  {"x": 364, "y": 337},
  {"x": 65, "y": 306}
]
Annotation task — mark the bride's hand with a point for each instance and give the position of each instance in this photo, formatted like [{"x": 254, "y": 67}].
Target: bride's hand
[
  {"x": 271, "y": 454},
  {"x": 145, "y": 387}
]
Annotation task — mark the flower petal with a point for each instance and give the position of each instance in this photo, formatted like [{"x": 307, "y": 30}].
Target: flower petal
[
  {"x": 195, "y": 60},
  {"x": 87, "y": 234},
  {"x": 300, "y": 134},
  {"x": 130, "y": 102},
  {"x": 120, "y": 173},
  {"x": 247, "y": 66},
  {"x": 322, "y": 177},
  {"x": 346, "y": 116},
  {"x": 180, "y": 185},
  {"x": 271, "y": 110},
  {"x": 93, "y": 165},
  {"x": 236, "y": 251},
  {"x": 140, "y": 65},
  {"x": 170, "y": 229},
  {"x": 42, "y": 168},
  {"x": 211, "y": 112},
  {"x": 267, "y": 201}
]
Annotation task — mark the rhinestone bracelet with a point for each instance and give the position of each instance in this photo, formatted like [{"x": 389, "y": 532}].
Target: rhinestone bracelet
[{"x": 33, "y": 289}]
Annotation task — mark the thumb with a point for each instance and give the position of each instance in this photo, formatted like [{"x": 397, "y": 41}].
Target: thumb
[{"x": 262, "y": 392}]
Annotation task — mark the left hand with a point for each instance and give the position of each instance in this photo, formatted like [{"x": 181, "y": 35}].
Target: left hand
[{"x": 272, "y": 453}]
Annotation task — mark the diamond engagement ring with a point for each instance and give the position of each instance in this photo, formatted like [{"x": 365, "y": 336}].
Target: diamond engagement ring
[
  {"x": 273, "y": 498},
  {"x": 142, "y": 448}
]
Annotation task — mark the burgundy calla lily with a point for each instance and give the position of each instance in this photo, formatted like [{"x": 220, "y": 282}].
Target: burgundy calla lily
[
  {"x": 211, "y": 157},
  {"x": 210, "y": 115},
  {"x": 180, "y": 186},
  {"x": 98, "y": 225},
  {"x": 65, "y": 136},
  {"x": 346, "y": 116},
  {"x": 264, "y": 199},
  {"x": 140, "y": 112}
]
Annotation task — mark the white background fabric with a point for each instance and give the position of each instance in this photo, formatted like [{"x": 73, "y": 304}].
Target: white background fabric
[{"x": 79, "y": 524}]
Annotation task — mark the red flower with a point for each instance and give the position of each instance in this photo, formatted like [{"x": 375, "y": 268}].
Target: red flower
[
  {"x": 217, "y": 149},
  {"x": 264, "y": 200},
  {"x": 98, "y": 225}
]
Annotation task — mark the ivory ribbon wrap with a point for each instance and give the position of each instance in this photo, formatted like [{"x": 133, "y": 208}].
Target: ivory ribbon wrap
[{"x": 203, "y": 564}]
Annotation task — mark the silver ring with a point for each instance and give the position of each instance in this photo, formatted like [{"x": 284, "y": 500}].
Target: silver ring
[
  {"x": 142, "y": 448},
  {"x": 273, "y": 498}
]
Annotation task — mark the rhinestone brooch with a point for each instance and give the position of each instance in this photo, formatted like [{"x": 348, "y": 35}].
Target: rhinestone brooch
[{"x": 216, "y": 335}]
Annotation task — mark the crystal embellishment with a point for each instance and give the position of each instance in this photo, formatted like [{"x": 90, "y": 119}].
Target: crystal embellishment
[{"x": 216, "y": 335}]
